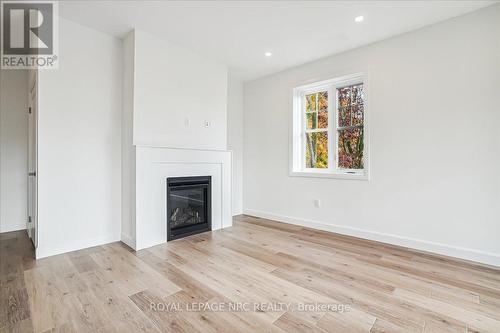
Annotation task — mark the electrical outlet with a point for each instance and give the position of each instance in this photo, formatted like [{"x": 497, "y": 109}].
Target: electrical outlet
[
  {"x": 317, "y": 203},
  {"x": 207, "y": 123}
]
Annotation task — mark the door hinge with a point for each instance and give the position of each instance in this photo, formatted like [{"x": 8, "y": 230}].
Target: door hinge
[
  {"x": 29, "y": 219},
  {"x": 29, "y": 110}
]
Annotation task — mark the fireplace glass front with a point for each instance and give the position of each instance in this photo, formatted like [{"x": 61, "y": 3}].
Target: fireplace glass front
[{"x": 188, "y": 206}]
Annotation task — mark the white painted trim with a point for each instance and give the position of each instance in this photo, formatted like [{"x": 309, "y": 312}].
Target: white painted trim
[
  {"x": 317, "y": 174},
  {"x": 413, "y": 243},
  {"x": 56, "y": 249},
  {"x": 154, "y": 165},
  {"x": 128, "y": 240},
  {"x": 180, "y": 148},
  {"x": 12, "y": 227}
]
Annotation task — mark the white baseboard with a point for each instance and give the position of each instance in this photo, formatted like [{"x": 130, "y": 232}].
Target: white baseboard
[
  {"x": 12, "y": 227},
  {"x": 418, "y": 244},
  {"x": 128, "y": 240},
  {"x": 42, "y": 252}
]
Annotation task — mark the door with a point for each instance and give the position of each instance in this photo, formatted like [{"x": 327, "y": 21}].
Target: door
[{"x": 32, "y": 225}]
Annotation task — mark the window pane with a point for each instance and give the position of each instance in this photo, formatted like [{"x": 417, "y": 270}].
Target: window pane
[
  {"x": 323, "y": 119},
  {"x": 323, "y": 101},
  {"x": 358, "y": 107},
  {"x": 311, "y": 120},
  {"x": 317, "y": 150},
  {"x": 311, "y": 103},
  {"x": 357, "y": 94},
  {"x": 351, "y": 148},
  {"x": 317, "y": 120},
  {"x": 357, "y": 114},
  {"x": 317, "y": 101},
  {"x": 344, "y": 116},
  {"x": 350, "y": 105},
  {"x": 344, "y": 96}
]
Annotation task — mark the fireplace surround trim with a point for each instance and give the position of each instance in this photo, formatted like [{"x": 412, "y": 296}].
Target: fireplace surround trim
[{"x": 144, "y": 215}]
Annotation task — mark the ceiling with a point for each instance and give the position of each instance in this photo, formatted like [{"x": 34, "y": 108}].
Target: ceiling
[{"x": 238, "y": 33}]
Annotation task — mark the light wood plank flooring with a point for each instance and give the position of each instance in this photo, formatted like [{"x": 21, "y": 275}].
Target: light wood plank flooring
[{"x": 257, "y": 262}]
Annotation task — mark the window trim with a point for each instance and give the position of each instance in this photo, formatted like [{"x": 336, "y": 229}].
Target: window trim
[{"x": 299, "y": 125}]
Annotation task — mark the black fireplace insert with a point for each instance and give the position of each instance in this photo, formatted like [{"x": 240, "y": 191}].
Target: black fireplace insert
[{"x": 188, "y": 206}]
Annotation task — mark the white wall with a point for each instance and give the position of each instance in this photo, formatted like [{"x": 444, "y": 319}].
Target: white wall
[
  {"x": 79, "y": 163},
  {"x": 13, "y": 149},
  {"x": 175, "y": 92},
  {"x": 434, "y": 112},
  {"x": 235, "y": 138}
]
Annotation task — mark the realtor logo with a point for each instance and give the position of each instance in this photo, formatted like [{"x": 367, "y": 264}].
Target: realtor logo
[{"x": 29, "y": 34}]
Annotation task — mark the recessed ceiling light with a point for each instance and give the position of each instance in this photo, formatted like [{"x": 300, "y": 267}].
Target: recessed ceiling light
[
  {"x": 268, "y": 54},
  {"x": 359, "y": 19}
]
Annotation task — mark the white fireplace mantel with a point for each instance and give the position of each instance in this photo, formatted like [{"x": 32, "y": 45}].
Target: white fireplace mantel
[{"x": 153, "y": 165}]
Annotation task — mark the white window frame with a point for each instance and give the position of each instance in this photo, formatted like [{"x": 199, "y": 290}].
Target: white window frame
[{"x": 299, "y": 129}]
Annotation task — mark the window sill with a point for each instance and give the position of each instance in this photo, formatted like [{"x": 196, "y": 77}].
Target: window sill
[{"x": 320, "y": 174}]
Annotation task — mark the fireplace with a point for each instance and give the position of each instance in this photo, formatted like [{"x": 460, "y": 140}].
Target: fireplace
[{"x": 188, "y": 206}]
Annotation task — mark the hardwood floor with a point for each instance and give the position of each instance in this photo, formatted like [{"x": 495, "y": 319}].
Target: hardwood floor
[{"x": 258, "y": 262}]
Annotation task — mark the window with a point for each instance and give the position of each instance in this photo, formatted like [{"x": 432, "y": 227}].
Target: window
[{"x": 329, "y": 129}]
